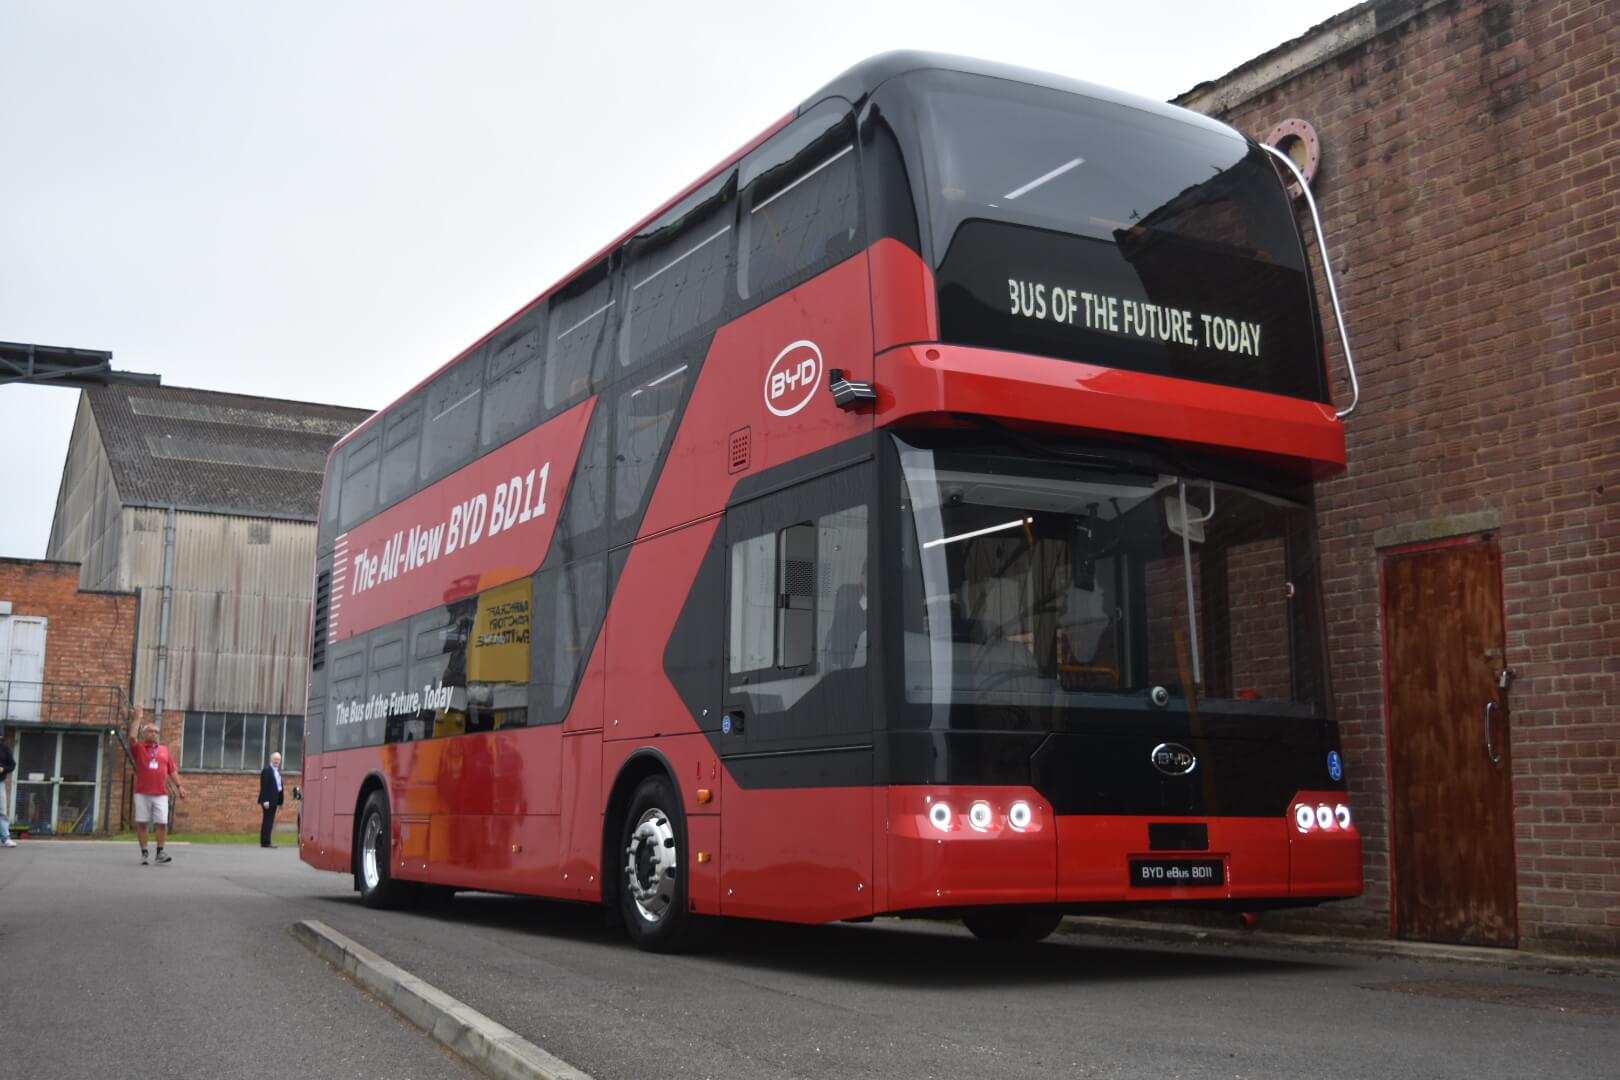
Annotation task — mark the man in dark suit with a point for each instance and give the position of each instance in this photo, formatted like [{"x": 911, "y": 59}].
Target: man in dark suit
[{"x": 270, "y": 798}]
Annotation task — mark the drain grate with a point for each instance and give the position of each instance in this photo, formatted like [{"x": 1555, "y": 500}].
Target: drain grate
[{"x": 1523, "y": 997}]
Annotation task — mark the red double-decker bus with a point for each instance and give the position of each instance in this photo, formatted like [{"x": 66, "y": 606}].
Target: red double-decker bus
[{"x": 914, "y": 516}]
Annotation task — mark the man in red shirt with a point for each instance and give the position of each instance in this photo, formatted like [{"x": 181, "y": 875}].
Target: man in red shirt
[{"x": 155, "y": 770}]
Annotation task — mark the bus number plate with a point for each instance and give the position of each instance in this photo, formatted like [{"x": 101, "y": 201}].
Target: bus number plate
[{"x": 1162, "y": 873}]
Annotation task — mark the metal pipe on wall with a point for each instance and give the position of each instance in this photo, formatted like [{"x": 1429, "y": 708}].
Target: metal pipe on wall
[
  {"x": 163, "y": 633},
  {"x": 163, "y": 622}
]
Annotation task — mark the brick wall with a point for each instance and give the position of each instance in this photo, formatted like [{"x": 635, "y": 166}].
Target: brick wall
[
  {"x": 228, "y": 802},
  {"x": 90, "y": 639},
  {"x": 1470, "y": 186},
  {"x": 89, "y": 649}
]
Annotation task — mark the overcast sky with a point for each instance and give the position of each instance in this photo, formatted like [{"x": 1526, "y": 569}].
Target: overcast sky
[{"x": 326, "y": 201}]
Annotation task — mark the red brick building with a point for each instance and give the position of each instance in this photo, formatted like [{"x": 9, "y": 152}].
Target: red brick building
[
  {"x": 66, "y": 663},
  {"x": 1469, "y": 181}
]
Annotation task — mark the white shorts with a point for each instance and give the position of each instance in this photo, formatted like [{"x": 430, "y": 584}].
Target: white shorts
[{"x": 151, "y": 809}]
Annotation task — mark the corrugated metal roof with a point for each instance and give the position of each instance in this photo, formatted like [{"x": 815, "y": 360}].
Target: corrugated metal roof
[{"x": 225, "y": 453}]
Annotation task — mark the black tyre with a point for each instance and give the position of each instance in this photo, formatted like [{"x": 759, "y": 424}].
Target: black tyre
[
  {"x": 1013, "y": 926},
  {"x": 652, "y": 869},
  {"x": 373, "y": 860}
]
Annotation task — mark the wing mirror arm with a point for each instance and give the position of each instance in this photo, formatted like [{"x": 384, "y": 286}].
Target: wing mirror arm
[{"x": 1327, "y": 270}]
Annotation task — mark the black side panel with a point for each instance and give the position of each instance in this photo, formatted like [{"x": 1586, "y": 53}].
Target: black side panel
[{"x": 694, "y": 657}]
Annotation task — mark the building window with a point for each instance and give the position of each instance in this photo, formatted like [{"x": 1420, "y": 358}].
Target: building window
[{"x": 241, "y": 742}]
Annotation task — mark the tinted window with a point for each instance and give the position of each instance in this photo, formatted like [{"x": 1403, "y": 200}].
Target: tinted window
[
  {"x": 570, "y": 604},
  {"x": 359, "y": 491},
  {"x": 678, "y": 270},
  {"x": 581, "y": 332},
  {"x": 798, "y": 621},
  {"x": 585, "y": 512},
  {"x": 641, "y": 426},
  {"x": 330, "y": 486},
  {"x": 1064, "y": 225},
  {"x": 800, "y": 211},
  {"x": 451, "y": 438},
  {"x": 402, "y": 433},
  {"x": 516, "y": 362}
]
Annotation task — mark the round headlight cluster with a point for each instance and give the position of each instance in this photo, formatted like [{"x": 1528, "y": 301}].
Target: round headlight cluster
[
  {"x": 981, "y": 816},
  {"x": 1322, "y": 816}
]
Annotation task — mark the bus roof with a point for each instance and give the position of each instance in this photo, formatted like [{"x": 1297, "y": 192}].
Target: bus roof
[{"x": 854, "y": 86}]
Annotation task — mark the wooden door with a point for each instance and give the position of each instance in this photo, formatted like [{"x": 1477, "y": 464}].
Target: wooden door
[{"x": 1450, "y": 765}]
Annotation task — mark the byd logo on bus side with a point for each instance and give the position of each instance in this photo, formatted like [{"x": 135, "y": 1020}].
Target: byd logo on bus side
[{"x": 792, "y": 380}]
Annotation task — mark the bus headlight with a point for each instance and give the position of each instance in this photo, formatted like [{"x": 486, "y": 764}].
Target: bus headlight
[
  {"x": 1019, "y": 815},
  {"x": 1304, "y": 818},
  {"x": 940, "y": 815},
  {"x": 1342, "y": 814},
  {"x": 1324, "y": 816},
  {"x": 979, "y": 816}
]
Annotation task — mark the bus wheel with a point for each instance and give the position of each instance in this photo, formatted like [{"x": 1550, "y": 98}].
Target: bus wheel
[
  {"x": 372, "y": 878},
  {"x": 652, "y": 888},
  {"x": 1013, "y": 926}
]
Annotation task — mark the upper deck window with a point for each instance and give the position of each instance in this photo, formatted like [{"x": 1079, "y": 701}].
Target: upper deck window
[
  {"x": 800, "y": 211},
  {"x": 1076, "y": 227}
]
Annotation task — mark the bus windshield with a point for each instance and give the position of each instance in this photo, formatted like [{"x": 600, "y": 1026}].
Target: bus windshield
[
  {"x": 1029, "y": 581},
  {"x": 1089, "y": 229}
]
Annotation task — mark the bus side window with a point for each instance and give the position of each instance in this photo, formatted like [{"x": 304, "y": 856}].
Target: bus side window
[
  {"x": 569, "y": 605},
  {"x": 800, "y": 211},
  {"x": 512, "y": 387},
  {"x": 677, "y": 272},
  {"x": 753, "y": 604},
  {"x": 585, "y": 512},
  {"x": 348, "y": 685},
  {"x": 401, "y": 432},
  {"x": 798, "y": 615},
  {"x": 332, "y": 486},
  {"x": 796, "y": 597},
  {"x": 451, "y": 436},
  {"x": 359, "y": 491},
  {"x": 581, "y": 333},
  {"x": 437, "y": 652},
  {"x": 385, "y": 678},
  {"x": 642, "y": 423}
]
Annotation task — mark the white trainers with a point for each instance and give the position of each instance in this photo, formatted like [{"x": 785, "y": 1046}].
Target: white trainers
[{"x": 8, "y": 842}]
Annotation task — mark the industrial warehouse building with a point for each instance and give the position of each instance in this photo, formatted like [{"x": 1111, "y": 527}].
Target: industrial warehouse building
[
  {"x": 1468, "y": 171},
  {"x": 203, "y": 505}
]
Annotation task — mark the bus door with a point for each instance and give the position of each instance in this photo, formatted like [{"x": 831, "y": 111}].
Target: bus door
[{"x": 797, "y": 733}]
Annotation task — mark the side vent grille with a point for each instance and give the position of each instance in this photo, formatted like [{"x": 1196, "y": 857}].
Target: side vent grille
[
  {"x": 738, "y": 451},
  {"x": 323, "y": 610}
]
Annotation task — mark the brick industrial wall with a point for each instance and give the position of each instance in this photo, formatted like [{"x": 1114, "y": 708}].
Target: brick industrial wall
[
  {"x": 90, "y": 638},
  {"x": 89, "y": 652},
  {"x": 228, "y": 802},
  {"x": 1470, "y": 186}
]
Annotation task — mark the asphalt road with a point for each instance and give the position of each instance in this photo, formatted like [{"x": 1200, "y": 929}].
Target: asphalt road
[{"x": 85, "y": 934}]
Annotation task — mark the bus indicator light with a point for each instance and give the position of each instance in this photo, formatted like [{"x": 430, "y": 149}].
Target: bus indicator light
[{"x": 941, "y": 817}]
